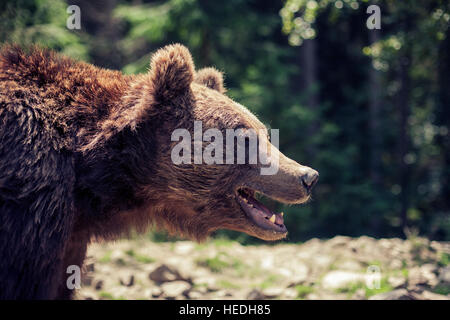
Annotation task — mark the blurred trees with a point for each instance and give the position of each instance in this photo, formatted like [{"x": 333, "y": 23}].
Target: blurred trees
[{"x": 369, "y": 109}]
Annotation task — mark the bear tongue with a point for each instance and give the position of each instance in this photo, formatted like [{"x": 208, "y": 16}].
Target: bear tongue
[{"x": 266, "y": 211}]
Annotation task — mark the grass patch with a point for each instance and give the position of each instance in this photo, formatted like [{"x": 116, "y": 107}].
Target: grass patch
[
  {"x": 444, "y": 259},
  {"x": 106, "y": 258},
  {"x": 269, "y": 282},
  {"x": 139, "y": 257},
  {"x": 121, "y": 262},
  {"x": 303, "y": 291},
  {"x": 223, "y": 242},
  {"x": 405, "y": 273},
  {"x": 442, "y": 289},
  {"x": 351, "y": 289},
  {"x": 227, "y": 284},
  {"x": 220, "y": 262},
  {"x": 384, "y": 287},
  {"x": 200, "y": 285},
  {"x": 106, "y": 295}
]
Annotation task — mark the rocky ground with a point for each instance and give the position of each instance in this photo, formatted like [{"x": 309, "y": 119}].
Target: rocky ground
[{"x": 339, "y": 268}]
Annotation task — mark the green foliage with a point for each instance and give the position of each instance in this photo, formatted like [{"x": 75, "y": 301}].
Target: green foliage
[
  {"x": 40, "y": 22},
  {"x": 227, "y": 284},
  {"x": 220, "y": 262},
  {"x": 106, "y": 258},
  {"x": 443, "y": 289},
  {"x": 270, "y": 281},
  {"x": 355, "y": 286},
  {"x": 303, "y": 291},
  {"x": 139, "y": 257},
  {"x": 445, "y": 259}
]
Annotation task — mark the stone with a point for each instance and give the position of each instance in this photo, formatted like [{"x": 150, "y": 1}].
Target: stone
[
  {"x": 339, "y": 279},
  {"x": 350, "y": 265},
  {"x": 339, "y": 241},
  {"x": 271, "y": 293},
  {"x": 398, "y": 294},
  {"x": 175, "y": 289},
  {"x": 359, "y": 294},
  {"x": 127, "y": 281},
  {"x": 98, "y": 285},
  {"x": 444, "y": 275},
  {"x": 165, "y": 273},
  {"x": 397, "y": 282},
  {"x": 90, "y": 267},
  {"x": 194, "y": 294},
  {"x": 428, "y": 295},
  {"x": 423, "y": 275},
  {"x": 184, "y": 247},
  {"x": 255, "y": 294},
  {"x": 154, "y": 292},
  {"x": 290, "y": 293}
]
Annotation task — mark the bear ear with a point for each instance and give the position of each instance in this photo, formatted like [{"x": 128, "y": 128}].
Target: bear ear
[
  {"x": 212, "y": 78},
  {"x": 171, "y": 72}
]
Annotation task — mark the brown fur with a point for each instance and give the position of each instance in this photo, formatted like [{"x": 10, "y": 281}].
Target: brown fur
[{"x": 113, "y": 132}]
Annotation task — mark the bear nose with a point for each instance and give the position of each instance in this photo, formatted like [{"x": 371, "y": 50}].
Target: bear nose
[{"x": 310, "y": 179}]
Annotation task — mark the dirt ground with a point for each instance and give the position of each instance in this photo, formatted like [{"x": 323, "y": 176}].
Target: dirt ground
[{"x": 338, "y": 268}]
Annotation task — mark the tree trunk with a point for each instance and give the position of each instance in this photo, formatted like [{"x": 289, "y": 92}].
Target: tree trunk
[
  {"x": 374, "y": 117},
  {"x": 404, "y": 140}
]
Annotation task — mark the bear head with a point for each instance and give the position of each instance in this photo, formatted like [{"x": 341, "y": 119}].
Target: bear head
[{"x": 194, "y": 198}]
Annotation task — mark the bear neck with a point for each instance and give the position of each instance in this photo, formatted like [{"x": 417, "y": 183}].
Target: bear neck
[{"x": 110, "y": 176}]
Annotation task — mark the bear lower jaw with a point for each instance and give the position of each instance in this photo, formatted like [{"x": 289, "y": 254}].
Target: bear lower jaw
[{"x": 261, "y": 216}]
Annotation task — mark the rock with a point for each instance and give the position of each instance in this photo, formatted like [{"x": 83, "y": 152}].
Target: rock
[
  {"x": 98, "y": 285},
  {"x": 360, "y": 294},
  {"x": 338, "y": 279},
  {"x": 290, "y": 293},
  {"x": 321, "y": 260},
  {"x": 255, "y": 294},
  {"x": 428, "y": 295},
  {"x": 86, "y": 280},
  {"x": 444, "y": 275},
  {"x": 397, "y": 282},
  {"x": 222, "y": 294},
  {"x": 165, "y": 273},
  {"x": 284, "y": 272},
  {"x": 127, "y": 281},
  {"x": 194, "y": 294},
  {"x": 154, "y": 292},
  {"x": 271, "y": 293},
  {"x": 339, "y": 241},
  {"x": 395, "y": 264},
  {"x": 90, "y": 267},
  {"x": 184, "y": 247},
  {"x": 175, "y": 289},
  {"x": 399, "y": 294},
  {"x": 423, "y": 275},
  {"x": 350, "y": 265},
  {"x": 301, "y": 273}
]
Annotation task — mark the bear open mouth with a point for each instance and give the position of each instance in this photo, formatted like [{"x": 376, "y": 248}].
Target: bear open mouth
[{"x": 258, "y": 213}]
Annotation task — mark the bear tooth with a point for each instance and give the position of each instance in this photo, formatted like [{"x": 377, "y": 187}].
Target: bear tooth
[{"x": 272, "y": 218}]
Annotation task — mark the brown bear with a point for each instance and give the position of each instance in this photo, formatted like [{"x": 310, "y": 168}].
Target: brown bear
[{"x": 85, "y": 155}]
